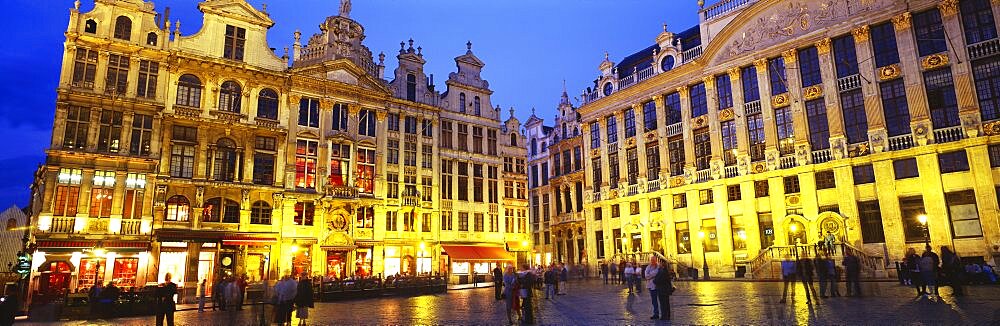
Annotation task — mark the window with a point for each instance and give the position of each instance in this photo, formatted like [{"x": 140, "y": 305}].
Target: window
[
  {"x": 751, "y": 92},
  {"x": 852, "y": 104},
  {"x": 116, "y": 81},
  {"x": 189, "y": 91},
  {"x": 649, "y": 116},
  {"x": 905, "y": 168},
  {"x": 463, "y": 222},
  {"x": 929, "y": 32},
  {"x": 428, "y": 190},
  {"x": 109, "y": 131},
  {"x": 897, "y": 112},
  {"x": 963, "y": 213},
  {"x": 577, "y": 158},
  {"x": 235, "y": 39},
  {"x": 786, "y": 131},
  {"x": 672, "y": 106},
  {"x": 776, "y": 73},
  {"x": 445, "y": 133},
  {"x": 366, "y": 123},
  {"x": 446, "y": 186},
  {"x": 711, "y": 235},
  {"x": 616, "y": 211},
  {"x": 791, "y": 184},
  {"x": 392, "y": 185},
  {"x": 596, "y": 172},
  {"x": 611, "y": 124},
  {"x": 365, "y": 217},
  {"x": 304, "y": 213},
  {"x": 226, "y": 158},
  {"x": 182, "y": 151},
  {"x": 809, "y": 67},
  {"x": 263, "y": 160},
  {"x": 705, "y": 196},
  {"x": 230, "y": 95},
  {"x": 883, "y": 37},
  {"x": 426, "y": 156},
  {"x": 567, "y": 162},
  {"x": 629, "y": 123},
  {"x": 260, "y": 213},
  {"x": 652, "y": 160},
  {"x": 632, "y": 158},
  {"x": 148, "y": 72},
  {"x": 910, "y": 208},
  {"x": 365, "y": 165},
  {"x": 766, "y": 225},
  {"x": 476, "y": 106},
  {"x": 123, "y": 28},
  {"x": 84, "y": 68},
  {"x": 548, "y": 238},
  {"x": 595, "y": 135},
  {"x": 463, "y": 181},
  {"x": 67, "y": 192},
  {"x": 90, "y": 26},
  {"x": 305, "y": 163},
  {"x": 178, "y": 209},
  {"x": 739, "y": 233},
  {"x": 447, "y": 224},
  {"x": 477, "y": 139},
  {"x": 221, "y": 209},
  {"x": 409, "y": 221},
  {"x": 392, "y": 119},
  {"x": 760, "y": 188},
  {"x": 819, "y": 130},
  {"x": 724, "y": 90},
  {"x": 410, "y": 125},
  {"x": 729, "y": 142},
  {"x": 613, "y": 171},
  {"x": 463, "y": 137},
  {"x": 955, "y": 161},
  {"x": 680, "y": 200},
  {"x": 599, "y": 242},
  {"x": 683, "y": 238},
  {"x": 987, "y": 77},
  {"x": 309, "y": 112},
  {"x": 702, "y": 149},
  {"x": 733, "y": 193},
  {"x": 845, "y": 56},
  {"x": 825, "y": 180},
  {"x": 392, "y": 152},
  {"x": 477, "y": 183},
  {"x": 478, "y": 222},
  {"x": 461, "y": 104},
  {"x": 339, "y": 120},
  {"x": 863, "y": 174},
  {"x": 102, "y": 194},
  {"x": 977, "y": 21},
  {"x": 994, "y": 153},
  {"x": 699, "y": 100},
  {"x": 425, "y": 223},
  {"x": 411, "y": 87},
  {"x": 427, "y": 130},
  {"x": 675, "y": 153},
  {"x": 871, "y": 222},
  {"x": 941, "y": 98},
  {"x": 755, "y": 132},
  {"x": 134, "y": 185},
  {"x": 151, "y": 38}
]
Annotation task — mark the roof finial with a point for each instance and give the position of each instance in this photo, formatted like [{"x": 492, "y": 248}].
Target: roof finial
[
  {"x": 512, "y": 112},
  {"x": 605, "y": 55},
  {"x": 532, "y": 110},
  {"x": 263, "y": 7},
  {"x": 564, "y": 85},
  {"x": 664, "y": 27},
  {"x": 345, "y": 8},
  {"x": 701, "y": 3},
  {"x": 468, "y": 45}
]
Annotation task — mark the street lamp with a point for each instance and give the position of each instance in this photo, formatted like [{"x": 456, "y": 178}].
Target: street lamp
[
  {"x": 793, "y": 229},
  {"x": 704, "y": 255},
  {"x": 98, "y": 251},
  {"x": 922, "y": 218}
]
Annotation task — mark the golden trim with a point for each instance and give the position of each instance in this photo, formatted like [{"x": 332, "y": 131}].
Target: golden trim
[
  {"x": 727, "y": 114},
  {"x": 948, "y": 7},
  {"x": 934, "y": 61},
  {"x": 595, "y": 152},
  {"x": 901, "y": 21},
  {"x": 813, "y": 92},
  {"x": 758, "y": 167},
  {"x": 823, "y": 46},
  {"x": 699, "y": 122},
  {"x": 892, "y": 71},
  {"x": 760, "y": 64},
  {"x": 790, "y": 55},
  {"x": 991, "y": 128},
  {"x": 651, "y": 135},
  {"x": 709, "y": 81},
  {"x": 630, "y": 142},
  {"x": 780, "y": 100},
  {"x": 734, "y": 73},
  {"x": 677, "y": 181},
  {"x": 861, "y": 34}
]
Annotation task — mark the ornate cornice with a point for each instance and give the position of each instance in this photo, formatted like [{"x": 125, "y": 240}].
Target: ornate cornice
[
  {"x": 734, "y": 73},
  {"x": 790, "y": 55}
]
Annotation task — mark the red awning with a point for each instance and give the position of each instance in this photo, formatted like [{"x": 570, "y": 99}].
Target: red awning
[
  {"x": 247, "y": 239},
  {"x": 88, "y": 244},
  {"x": 478, "y": 253}
]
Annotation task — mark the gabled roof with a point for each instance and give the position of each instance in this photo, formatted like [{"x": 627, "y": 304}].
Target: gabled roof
[{"x": 239, "y": 9}]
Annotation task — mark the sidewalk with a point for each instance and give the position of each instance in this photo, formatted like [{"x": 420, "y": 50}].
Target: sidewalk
[{"x": 470, "y": 286}]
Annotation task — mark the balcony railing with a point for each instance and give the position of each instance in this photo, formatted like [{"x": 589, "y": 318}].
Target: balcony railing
[
  {"x": 849, "y": 83},
  {"x": 342, "y": 192},
  {"x": 821, "y": 156},
  {"x": 723, "y": 7},
  {"x": 131, "y": 227},
  {"x": 900, "y": 142},
  {"x": 691, "y": 54},
  {"x": 645, "y": 73},
  {"x": 984, "y": 49},
  {"x": 652, "y": 185},
  {"x": 674, "y": 129},
  {"x": 411, "y": 201},
  {"x": 732, "y": 171},
  {"x": 752, "y": 107},
  {"x": 633, "y": 189},
  {"x": 613, "y": 147},
  {"x": 787, "y": 162},
  {"x": 62, "y": 225},
  {"x": 703, "y": 175},
  {"x": 627, "y": 81},
  {"x": 597, "y": 197},
  {"x": 949, "y": 134}
]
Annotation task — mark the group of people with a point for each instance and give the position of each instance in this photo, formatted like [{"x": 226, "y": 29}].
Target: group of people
[
  {"x": 928, "y": 271},
  {"x": 822, "y": 267},
  {"x": 291, "y": 294},
  {"x": 228, "y": 293},
  {"x": 102, "y": 299},
  {"x": 626, "y": 273}
]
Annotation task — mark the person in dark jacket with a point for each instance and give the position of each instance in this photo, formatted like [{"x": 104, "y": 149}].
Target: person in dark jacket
[
  {"x": 108, "y": 299},
  {"x": 164, "y": 301},
  {"x": 805, "y": 269},
  {"x": 498, "y": 282},
  {"x": 526, "y": 279},
  {"x": 664, "y": 288},
  {"x": 929, "y": 265},
  {"x": 604, "y": 272},
  {"x": 303, "y": 298},
  {"x": 912, "y": 264},
  {"x": 823, "y": 274},
  {"x": 951, "y": 265},
  {"x": 852, "y": 266},
  {"x": 550, "y": 278}
]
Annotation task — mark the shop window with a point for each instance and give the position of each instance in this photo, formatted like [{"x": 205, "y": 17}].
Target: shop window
[
  {"x": 910, "y": 209},
  {"x": 739, "y": 233},
  {"x": 125, "y": 272},
  {"x": 90, "y": 270},
  {"x": 709, "y": 235},
  {"x": 683, "y": 238},
  {"x": 766, "y": 225}
]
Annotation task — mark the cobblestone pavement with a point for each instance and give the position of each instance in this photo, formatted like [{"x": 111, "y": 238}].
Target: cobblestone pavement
[{"x": 593, "y": 303}]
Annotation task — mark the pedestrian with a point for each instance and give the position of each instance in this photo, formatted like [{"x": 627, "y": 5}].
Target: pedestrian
[
  {"x": 788, "y": 276},
  {"x": 231, "y": 293},
  {"x": 650, "y": 276},
  {"x": 805, "y": 270},
  {"x": 833, "y": 276},
  {"x": 852, "y": 265},
  {"x": 109, "y": 298},
  {"x": 629, "y": 271},
  {"x": 303, "y": 298},
  {"x": 828, "y": 241},
  {"x": 497, "y": 282},
  {"x": 527, "y": 280},
  {"x": 822, "y": 273},
  {"x": 550, "y": 278},
  {"x": 241, "y": 284},
  {"x": 613, "y": 270},
  {"x": 563, "y": 278},
  {"x": 929, "y": 263},
  {"x": 164, "y": 301},
  {"x": 621, "y": 272},
  {"x": 217, "y": 301},
  {"x": 637, "y": 278},
  {"x": 664, "y": 288},
  {"x": 201, "y": 295},
  {"x": 284, "y": 292},
  {"x": 912, "y": 264},
  {"x": 951, "y": 265},
  {"x": 510, "y": 293},
  {"x": 604, "y": 272},
  {"x": 94, "y": 297}
]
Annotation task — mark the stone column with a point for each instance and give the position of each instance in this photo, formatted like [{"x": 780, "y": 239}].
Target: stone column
[
  {"x": 714, "y": 132},
  {"x": 133, "y": 76},
  {"x": 739, "y": 112},
  {"x": 916, "y": 98},
  {"x": 126, "y": 135},
  {"x": 766, "y": 111},
  {"x": 793, "y": 82},
  {"x": 661, "y": 132},
  {"x": 622, "y": 157},
  {"x": 968, "y": 106}
]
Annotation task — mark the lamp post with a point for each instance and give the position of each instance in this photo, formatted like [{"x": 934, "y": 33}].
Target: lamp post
[
  {"x": 704, "y": 255},
  {"x": 793, "y": 229},
  {"x": 922, "y": 218},
  {"x": 294, "y": 250},
  {"x": 98, "y": 251}
]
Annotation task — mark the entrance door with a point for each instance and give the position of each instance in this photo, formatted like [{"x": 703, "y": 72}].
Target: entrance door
[
  {"x": 797, "y": 233},
  {"x": 636, "y": 243},
  {"x": 55, "y": 280}
]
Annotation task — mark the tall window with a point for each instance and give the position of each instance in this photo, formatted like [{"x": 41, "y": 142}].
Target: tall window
[
  {"x": 260, "y": 213},
  {"x": 987, "y": 77},
  {"x": 699, "y": 100},
  {"x": 77, "y": 125},
  {"x": 84, "y": 68},
  {"x": 809, "y": 67},
  {"x": 305, "y": 163},
  {"x": 786, "y": 132},
  {"x": 67, "y": 192},
  {"x": 629, "y": 123},
  {"x": 426, "y": 156},
  {"x": 123, "y": 28},
  {"x": 567, "y": 166},
  {"x": 267, "y": 104},
  {"x": 410, "y": 153},
  {"x": 409, "y": 221},
  {"x": 135, "y": 183},
  {"x": 110, "y": 131},
  {"x": 364, "y": 179},
  {"x": 845, "y": 56},
  {"x": 724, "y": 90},
  {"x": 929, "y": 32},
  {"x": 116, "y": 82},
  {"x": 672, "y": 106},
  {"x": 910, "y": 208},
  {"x": 309, "y": 112},
  {"x": 447, "y": 224},
  {"x": 819, "y": 130},
  {"x": 884, "y": 45},
  {"x": 365, "y": 217},
  {"x": 366, "y": 123},
  {"x": 178, "y": 209},
  {"x": 445, "y": 134},
  {"x": 477, "y": 183},
  {"x": 675, "y": 153},
  {"x": 702, "y": 149},
  {"x": 427, "y": 129},
  {"x": 463, "y": 137},
  {"x": 577, "y": 158},
  {"x": 491, "y": 142},
  {"x": 596, "y": 166},
  {"x": 461, "y": 104},
  {"x": 221, "y": 209},
  {"x": 230, "y": 95},
  {"x": 463, "y": 181},
  {"x": 612, "y": 126},
  {"x": 977, "y": 21},
  {"x": 649, "y": 116},
  {"x": 392, "y": 121},
  {"x": 729, "y": 142},
  {"x": 755, "y": 131},
  {"x": 595, "y": 134},
  {"x": 476, "y": 106},
  {"x": 446, "y": 179},
  {"x": 776, "y": 73},
  {"x": 265, "y": 151},
  {"x": 897, "y": 113},
  {"x": 226, "y": 158},
  {"x": 182, "y": 151},
  {"x": 411, "y": 87},
  {"x": 751, "y": 91},
  {"x": 852, "y": 104},
  {"x": 410, "y": 125},
  {"x": 102, "y": 193},
  {"x": 683, "y": 238},
  {"x": 392, "y": 185},
  {"x": 632, "y": 158},
  {"x": 941, "y": 98},
  {"x": 871, "y": 222},
  {"x": 963, "y": 213},
  {"x": 463, "y": 221},
  {"x": 427, "y": 191},
  {"x": 477, "y": 139},
  {"x": 148, "y": 72},
  {"x": 613, "y": 175},
  {"x": 479, "y": 222},
  {"x": 236, "y": 38},
  {"x": 339, "y": 120},
  {"x": 189, "y": 91},
  {"x": 304, "y": 213}
]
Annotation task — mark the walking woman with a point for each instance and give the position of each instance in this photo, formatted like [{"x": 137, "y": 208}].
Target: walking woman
[
  {"x": 954, "y": 273},
  {"x": 510, "y": 293},
  {"x": 303, "y": 298}
]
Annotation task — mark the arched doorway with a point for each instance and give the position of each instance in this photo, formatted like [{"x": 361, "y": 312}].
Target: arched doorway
[
  {"x": 796, "y": 232},
  {"x": 54, "y": 281},
  {"x": 832, "y": 223}
]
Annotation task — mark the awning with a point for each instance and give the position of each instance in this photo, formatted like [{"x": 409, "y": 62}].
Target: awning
[
  {"x": 247, "y": 239},
  {"x": 518, "y": 246},
  {"x": 476, "y": 253},
  {"x": 182, "y": 235},
  {"x": 90, "y": 244}
]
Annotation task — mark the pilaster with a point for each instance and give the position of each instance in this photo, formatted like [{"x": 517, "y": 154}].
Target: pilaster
[
  {"x": 916, "y": 98},
  {"x": 968, "y": 106}
]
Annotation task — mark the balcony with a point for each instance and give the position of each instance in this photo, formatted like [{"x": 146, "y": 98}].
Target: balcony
[
  {"x": 58, "y": 225},
  {"x": 653, "y": 185},
  {"x": 226, "y": 116},
  {"x": 613, "y": 148},
  {"x": 984, "y": 49},
  {"x": 731, "y": 171},
  {"x": 787, "y": 162},
  {"x": 343, "y": 192},
  {"x": 901, "y": 142},
  {"x": 702, "y": 175},
  {"x": 597, "y": 197},
  {"x": 633, "y": 189},
  {"x": 949, "y": 134},
  {"x": 266, "y": 123},
  {"x": 723, "y": 7},
  {"x": 674, "y": 129},
  {"x": 691, "y": 54},
  {"x": 131, "y": 227},
  {"x": 821, "y": 156},
  {"x": 849, "y": 83},
  {"x": 411, "y": 201},
  {"x": 187, "y": 111},
  {"x": 752, "y": 107}
]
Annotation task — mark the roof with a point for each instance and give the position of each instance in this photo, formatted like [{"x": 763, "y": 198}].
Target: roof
[
  {"x": 637, "y": 61},
  {"x": 690, "y": 37}
]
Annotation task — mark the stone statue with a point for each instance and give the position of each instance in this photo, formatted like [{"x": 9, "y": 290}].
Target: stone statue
[{"x": 345, "y": 8}]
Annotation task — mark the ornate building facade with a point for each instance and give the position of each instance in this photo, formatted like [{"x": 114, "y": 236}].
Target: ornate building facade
[
  {"x": 773, "y": 123},
  {"x": 208, "y": 154}
]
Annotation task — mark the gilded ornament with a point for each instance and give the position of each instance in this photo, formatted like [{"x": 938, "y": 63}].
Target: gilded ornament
[
  {"x": 948, "y": 7},
  {"x": 934, "y": 61},
  {"x": 651, "y": 135},
  {"x": 780, "y": 100},
  {"x": 759, "y": 167},
  {"x": 698, "y": 122},
  {"x": 595, "y": 152},
  {"x": 992, "y": 128},
  {"x": 734, "y": 73},
  {"x": 793, "y": 200},
  {"x": 861, "y": 34},
  {"x": 676, "y": 181},
  {"x": 889, "y": 72},
  {"x": 727, "y": 114},
  {"x": 760, "y": 64},
  {"x": 630, "y": 142},
  {"x": 790, "y": 56},
  {"x": 813, "y": 92},
  {"x": 683, "y": 91},
  {"x": 901, "y": 21},
  {"x": 823, "y": 46},
  {"x": 709, "y": 81}
]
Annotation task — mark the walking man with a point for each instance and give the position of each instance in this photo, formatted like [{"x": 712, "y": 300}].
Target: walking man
[
  {"x": 497, "y": 282},
  {"x": 303, "y": 298},
  {"x": 614, "y": 272},
  {"x": 527, "y": 280},
  {"x": 563, "y": 278},
  {"x": 629, "y": 271},
  {"x": 165, "y": 304},
  {"x": 550, "y": 278},
  {"x": 929, "y": 263},
  {"x": 852, "y": 266},
  {"x": 805, "y": 270}
]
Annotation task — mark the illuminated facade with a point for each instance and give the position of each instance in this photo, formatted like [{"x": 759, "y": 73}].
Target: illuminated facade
[
  {"x": 776, "y": 122},
  {"x": 208, "y": 154}
]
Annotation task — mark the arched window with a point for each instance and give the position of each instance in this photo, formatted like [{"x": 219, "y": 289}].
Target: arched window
[
  {"x": 475, "y": 105},
  {"x": 229, "y": 96},
  {"x": 226, "y": 156},
  {"x": 267, "y": 104},
  {"x": 513, "y": 139},
  {"x": 123, "y": 28},
  {"x": 90, "y": 26},
  {"x": 189, "y": 91},
  {"x": 218, "y": 208},
  {"x": 260, "y": 213},
  {"x": 178, "y": 208},
  {"x": 411, "y": 87},
  {"x": 11, "y": 224},
  {"x": 151, "y": 39},
  {"x": 461, "y": 102}
]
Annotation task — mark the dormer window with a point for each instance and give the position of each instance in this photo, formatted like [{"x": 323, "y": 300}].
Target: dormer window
[
  {"x": 123, "y": 28},
  {"x": 667, "y": 63},
  {"x": 90, "y": 26},
  {"x": 411, "y": 87},
  {"x": 608, "y": 88},
  {"x": 151, "y": 39},
  {"x": 236, "y": 38}
]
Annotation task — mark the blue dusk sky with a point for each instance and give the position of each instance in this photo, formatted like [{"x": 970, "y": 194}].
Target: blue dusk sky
[{"x": 529, "y": 47}]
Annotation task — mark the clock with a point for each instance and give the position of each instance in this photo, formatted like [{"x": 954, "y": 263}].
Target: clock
[
  {"x": 227, "y": 261},
  {"x": 339, "y": 223}
]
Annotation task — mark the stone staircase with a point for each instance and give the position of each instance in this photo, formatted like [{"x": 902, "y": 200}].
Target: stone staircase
[{"x": 767, "y": 264}]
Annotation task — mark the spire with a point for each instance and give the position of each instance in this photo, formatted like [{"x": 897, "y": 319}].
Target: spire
[
  {"x": 564, "y": 100},
  {"x": 512, "y": 112}
]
